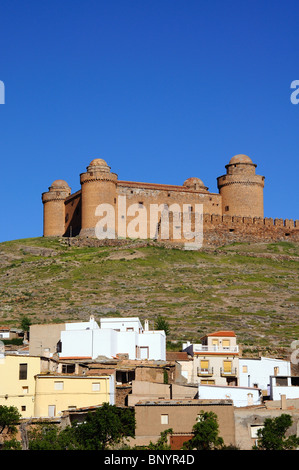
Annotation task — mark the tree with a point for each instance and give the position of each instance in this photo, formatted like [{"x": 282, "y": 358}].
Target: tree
[
  {"x": 205, "y": 433},
  {"x": 273, "y": 435},
  {"x": 162, "y": 324},
  {"x": 47, "y": 436},
  {"x": 105, "y": 427},
  {"x": 9, "y": 418},
  {"x": 25, "y": 325},
  {"x": 101, "y": 430},
  {"x": 161, "y": 443}
]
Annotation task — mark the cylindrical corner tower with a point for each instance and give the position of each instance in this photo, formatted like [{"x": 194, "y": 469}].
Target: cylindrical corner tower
[
  {"x": 54, "y": 208},
  {"x": 241, "y": 189},
  {"x": 98, "y": 186}
]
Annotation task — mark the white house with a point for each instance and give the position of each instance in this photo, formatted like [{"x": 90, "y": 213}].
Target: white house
[
  {"x": 284, "y": 385},
  {"x": 256, "y": 372},
  {"x": 241, "y": 396},
  {"x": 114, "y": 336},
  {"x": 4, "y": 332}
]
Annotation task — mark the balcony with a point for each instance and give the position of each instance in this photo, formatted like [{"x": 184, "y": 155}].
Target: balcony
[
  {"x": 205, "y": 372},
  {"x": 229, "y": 373},
  {"x": 200, "y": 348}
]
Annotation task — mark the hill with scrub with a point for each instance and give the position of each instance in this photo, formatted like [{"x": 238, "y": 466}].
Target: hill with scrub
[{"x": 251, "y": 289}]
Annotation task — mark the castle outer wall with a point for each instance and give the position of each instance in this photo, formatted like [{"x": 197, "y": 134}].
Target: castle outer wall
[{"x": 236, "y": 213}]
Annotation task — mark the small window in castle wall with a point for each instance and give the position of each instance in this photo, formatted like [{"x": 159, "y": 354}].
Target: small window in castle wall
[{"x": 226, "y": 208}]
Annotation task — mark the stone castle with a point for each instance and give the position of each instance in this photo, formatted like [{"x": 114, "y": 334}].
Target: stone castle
[{"x": 236, "y": 213}]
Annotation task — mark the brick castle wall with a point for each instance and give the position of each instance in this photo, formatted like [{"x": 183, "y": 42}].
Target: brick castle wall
[{"x": 235, "y": 214}]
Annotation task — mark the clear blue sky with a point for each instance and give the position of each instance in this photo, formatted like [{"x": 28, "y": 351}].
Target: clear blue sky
[{"x": 161, "y": 89}]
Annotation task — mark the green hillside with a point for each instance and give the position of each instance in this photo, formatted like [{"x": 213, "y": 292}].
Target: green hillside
[{"x": 249, "y": 288}]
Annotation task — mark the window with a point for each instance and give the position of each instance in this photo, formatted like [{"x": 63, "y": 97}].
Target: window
[
  {"x": 58, "y": 385},
  {"x": 204, "y": 365},
  {"x": 144, "y": 352},
  {"x": 25, "y": 390},
  {"x": 281, "y": 381},
  {"x": 23, "y": 371},
  {"x": 226, "y": 344},
  {"x": 199, "y": 418},
  {"x": 23, "y": 408},
  {"x": 226, "y": 208},
  {"x": 276, "y": 370},
  {"x": 164, "y": 419},
  {"x": 51, "y": 411},
  {"x": 227, "y": 367},
  {"x": 96, "y": 387},
  {"x": 254, "y": 429},
  {"x": 244, "y": 369},
  {"x": 68, "y": 368}
]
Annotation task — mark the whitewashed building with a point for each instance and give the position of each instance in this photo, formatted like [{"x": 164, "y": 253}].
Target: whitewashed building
[
  {"x": 287, "y": 386},
  {"x": 241, "y": 396},
  {"x": 256, "y": 372},
  {"x": 114, "y": 336}
]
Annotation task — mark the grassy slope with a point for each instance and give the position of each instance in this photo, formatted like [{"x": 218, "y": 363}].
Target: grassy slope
[{"x": 251, "y": 289}]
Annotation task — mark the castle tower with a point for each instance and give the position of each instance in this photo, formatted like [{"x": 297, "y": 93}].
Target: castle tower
[
  {"x": 54, "y": 208},
  {"x": 241, "y": 189},
  {"x": 98, "y": 186}
]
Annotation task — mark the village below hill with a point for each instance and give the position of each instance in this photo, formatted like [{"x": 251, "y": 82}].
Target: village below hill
[{"x": 59, "y": 373}]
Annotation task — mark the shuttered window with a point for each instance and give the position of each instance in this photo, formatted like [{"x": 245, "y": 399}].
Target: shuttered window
[
  {"x": 23, "y": 372},
  {"x": 227, "y": 366}
]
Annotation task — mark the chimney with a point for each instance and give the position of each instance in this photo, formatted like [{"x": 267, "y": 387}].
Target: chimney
[{"x": 283, "y": 402}]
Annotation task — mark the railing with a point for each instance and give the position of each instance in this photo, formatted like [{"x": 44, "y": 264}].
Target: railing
[
  {"x": 232, "y": 372},
  {"x": 205, "y": 372},
  {"x": 215, "y": 349}
]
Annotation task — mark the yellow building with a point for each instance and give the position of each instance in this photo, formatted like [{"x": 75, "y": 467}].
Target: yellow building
[
  {"x": 57, "y": 393},
  {"x": 31, "y": 385},
  {"x": 17, "y": 382}
]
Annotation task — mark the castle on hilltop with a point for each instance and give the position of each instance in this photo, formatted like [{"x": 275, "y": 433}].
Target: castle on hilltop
[{"x": 236, "y": 213}]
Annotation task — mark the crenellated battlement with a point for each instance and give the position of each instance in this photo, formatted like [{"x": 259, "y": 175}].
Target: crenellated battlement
[
  {"x": 220, "y": 230},
  {"x": 256, "y": 221}
]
